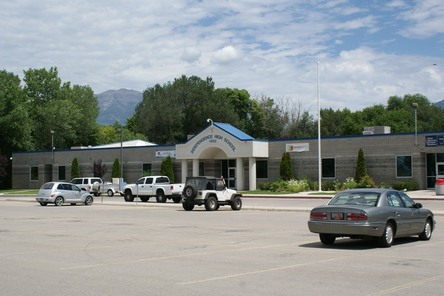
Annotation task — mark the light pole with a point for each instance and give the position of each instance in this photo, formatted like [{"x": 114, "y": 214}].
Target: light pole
[
  {"x": 121, "y": 160},
  {"x": 319, "y": 129},
  {"x": 415, "y": 107},
  {"x": 52, "y": 145}
]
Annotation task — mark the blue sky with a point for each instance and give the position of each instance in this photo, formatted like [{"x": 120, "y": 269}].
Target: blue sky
[{"x": 367, "y": 50}]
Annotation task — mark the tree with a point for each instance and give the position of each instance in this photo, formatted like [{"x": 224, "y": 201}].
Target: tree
[
  {"x": 15, "y": 122},
  {"x": 167, "y": 168},
  {"x": 99, "y": 168},
  {"x": 75, "y": 170},
  {"x": 286, "y": 168},
  {"x": 361, "y": 169},
  {"x": 116, "y": 169}
]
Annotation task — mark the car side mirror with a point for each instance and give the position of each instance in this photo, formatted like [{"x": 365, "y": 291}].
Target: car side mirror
[{"x": 418, "y": 205}]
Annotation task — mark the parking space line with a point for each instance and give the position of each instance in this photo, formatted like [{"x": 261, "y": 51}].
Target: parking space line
[
  {"x": 409, "y": 285},
  {"x": 265, "y": 270}
]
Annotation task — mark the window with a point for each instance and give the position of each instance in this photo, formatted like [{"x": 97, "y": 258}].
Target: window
[
  {"x": 62, "y": 173},
  {"x": 262, "y": 169},
  {"x": 328, "y": 168},
  {"x": 201, "y": 168},
  {"x": 146, "y": 169},
  {"x": 403, "y": 166},
  {"x": 34, "y": 173}
]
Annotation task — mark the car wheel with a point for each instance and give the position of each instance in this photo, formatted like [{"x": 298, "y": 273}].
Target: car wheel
[
  {"x": 43, "y": 204},
  {"x": 427, "y": 233},
  {"x": 177, "y": 199},
  {"x": 386, "y": 240},
  {"x": 58, "y": 201},
  {"x": 128, "y": 196},
  {"x": 89, "y": 200},
  {"x": 110, "y": 193},
  {"x": 189, "y": 192},
  {"x": 160, "y": 196},
  {"x": 187, "y": 206},
  {"x": 236, "y": 203},
  {"x": 211, "y": 203},
  {"x": 327, "y": 239}
]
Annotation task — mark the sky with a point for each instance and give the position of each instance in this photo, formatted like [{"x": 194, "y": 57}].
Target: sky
[{"x": 357, "y": 53}]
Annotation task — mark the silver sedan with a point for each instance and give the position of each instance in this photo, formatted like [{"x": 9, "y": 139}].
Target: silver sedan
[
  {"x": 59, "y": 193},
  {"x": 384, "y": 214}
]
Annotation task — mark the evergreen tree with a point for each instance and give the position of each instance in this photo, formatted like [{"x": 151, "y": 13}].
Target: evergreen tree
[
  {"x": 361, "y": 170},
  {"x": 116, "y": 169},
  {"x": 75, "y": 170},
  {"x": 167, "y": 168},
  {"x": 286, "y": 167}
]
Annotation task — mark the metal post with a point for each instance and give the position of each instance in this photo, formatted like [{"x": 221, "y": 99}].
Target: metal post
[
  {"x": 319, "y": 131},
  {"x": 52, "y": 145},
  {"x": 415, "y": 107},
  {"x": 121, "y": 160}
]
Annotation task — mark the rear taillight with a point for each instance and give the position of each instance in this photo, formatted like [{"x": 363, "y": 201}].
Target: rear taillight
[
  {"x": 357, "y": 216},
  {"x": 318, "y": 216}
]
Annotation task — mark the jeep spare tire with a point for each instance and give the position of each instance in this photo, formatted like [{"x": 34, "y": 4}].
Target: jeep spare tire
[{"x": 189, "y": 192}]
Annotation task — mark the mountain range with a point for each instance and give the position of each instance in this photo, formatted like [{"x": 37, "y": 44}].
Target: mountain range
[{"x": 119, "y": 105}]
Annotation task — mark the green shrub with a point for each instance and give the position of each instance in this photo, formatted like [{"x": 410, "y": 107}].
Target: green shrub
[
  {"x": 296, "y": 186},
  {"x": 263, "y": 185},
  {"x": 286, "y": 169},
  {"x": 409, "y": 185},
  {"x": 361, "y": 169},
  {"x": 116, "y": 169},
  {"x": 367, "y": 182},
  {"x": 75, "y": 170},
  {"x": 167, "y": 168},
  {"x": 279, "y": 186}
]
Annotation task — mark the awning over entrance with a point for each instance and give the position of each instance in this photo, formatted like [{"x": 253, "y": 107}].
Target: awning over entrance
[{"x": 223, "y": 141}]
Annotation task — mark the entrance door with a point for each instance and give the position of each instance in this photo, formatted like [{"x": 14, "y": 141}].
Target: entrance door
[
  {"x": 439, "y": 170},
  {"x": 231, "y": 178}
]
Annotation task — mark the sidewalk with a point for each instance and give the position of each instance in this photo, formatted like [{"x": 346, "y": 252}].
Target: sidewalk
[{"x": 415, "y": 195}]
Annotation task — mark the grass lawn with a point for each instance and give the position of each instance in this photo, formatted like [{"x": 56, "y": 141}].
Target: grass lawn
[{"x": 20, "y": 191}]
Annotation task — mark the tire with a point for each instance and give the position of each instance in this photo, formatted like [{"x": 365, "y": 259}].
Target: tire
[
  {"x": 59, "y": 201},
  {"x": 236, "y": 203},
  {"x": 327, "y": 239},
  {"x": 43, "y": 204},
  {"x": 128, "y": 196},
  {"x": 188, "y": 206},
  {"x": 386, "y": 240},
  {"x": 110, "y": 193},
  {"x": 427, "y": 233},
  {"x": 189, "y": 192},
  {"x": 211, "y": 204},
  {"x": 160, "y": 196},
  {"x": 89, "y": 200},
  {"x": 177, "y": 199}
]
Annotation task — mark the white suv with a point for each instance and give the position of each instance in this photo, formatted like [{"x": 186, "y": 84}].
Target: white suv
[
  {"x": 90, "y": 184},
  {"x": 211, "y": 192}
]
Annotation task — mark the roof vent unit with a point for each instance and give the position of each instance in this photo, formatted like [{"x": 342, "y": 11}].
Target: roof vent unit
[{"x": 375, "y": 130}]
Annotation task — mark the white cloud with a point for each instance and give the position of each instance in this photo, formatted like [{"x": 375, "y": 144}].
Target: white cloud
[{"x": 268, "y": 48}]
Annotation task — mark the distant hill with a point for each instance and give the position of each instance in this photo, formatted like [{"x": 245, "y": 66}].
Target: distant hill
[
  {"x": 440, "y": 104},
  {"x": 117, "y": 105}
]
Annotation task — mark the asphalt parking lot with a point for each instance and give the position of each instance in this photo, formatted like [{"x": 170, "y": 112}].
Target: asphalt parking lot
[{"x": 117, "y": 248}]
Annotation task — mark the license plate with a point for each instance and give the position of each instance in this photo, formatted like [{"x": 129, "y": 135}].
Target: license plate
[{"x": 337, "y": 216}]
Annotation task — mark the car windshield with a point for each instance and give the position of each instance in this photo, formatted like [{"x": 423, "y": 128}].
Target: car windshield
[{"x": 355, "y": 198}]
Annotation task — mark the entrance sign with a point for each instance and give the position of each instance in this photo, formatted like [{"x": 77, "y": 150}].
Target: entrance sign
[{"x": 214, "y": 138}]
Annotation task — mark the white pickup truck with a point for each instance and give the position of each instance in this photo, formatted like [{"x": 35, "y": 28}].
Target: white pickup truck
[{"x": 150, "y": 186}]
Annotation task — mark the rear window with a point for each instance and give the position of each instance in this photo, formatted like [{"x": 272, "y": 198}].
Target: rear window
[
  {"x": 47, "y": 186},
  {"x": 76, "y": 181},
  {"x": 355, "y": 198},
  {"x": 163, "y": 180}
]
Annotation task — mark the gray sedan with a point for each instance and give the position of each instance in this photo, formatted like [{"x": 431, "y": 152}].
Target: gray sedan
[
  {"x": 383, "y": 214},
  {"x": 59, "y": 193}
]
